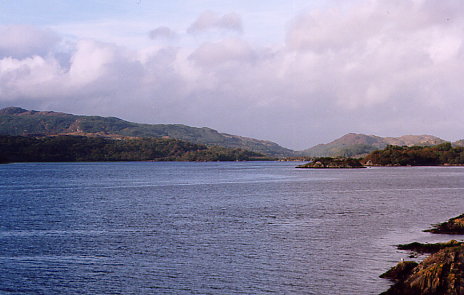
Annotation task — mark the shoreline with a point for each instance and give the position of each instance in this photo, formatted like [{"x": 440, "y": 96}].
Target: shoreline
[{"x": 441, "y": 272}]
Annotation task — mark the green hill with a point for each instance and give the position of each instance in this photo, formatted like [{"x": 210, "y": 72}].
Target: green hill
[
  {"x": 82, "y": 148},
  {"x": 20, "y": 122},
  {"x": 355, "y": 145},
  {"x": 442, "y": 154}
]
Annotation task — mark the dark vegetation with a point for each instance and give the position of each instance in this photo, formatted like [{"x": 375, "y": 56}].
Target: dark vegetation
[
  {"x": 16, "y": 121},
  {"x": 428, "y": 248},
  {"x": 359, "y": 145},
  {"x": 82, "y": 148},
  {"x": 20, "y": 122},
  {"x": 327, "y": 162},
  {"x": 392, "y": 155},
  {"x": 442, "y": 154}
]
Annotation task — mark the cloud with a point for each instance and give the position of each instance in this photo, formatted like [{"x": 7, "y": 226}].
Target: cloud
[
  {"x": 163, "y": 33},
  {"x": 210, "y": 21},
  {"x": 29, "y": 77},
  {"x": 378, "y": 67},
  {"x": 213, "y": 54},
  {"x": 19, "y": 41},
  {"x": 378, "y": 50}
]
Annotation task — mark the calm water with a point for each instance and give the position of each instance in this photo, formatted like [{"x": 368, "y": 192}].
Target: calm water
[{"x": 213, "y": 228}]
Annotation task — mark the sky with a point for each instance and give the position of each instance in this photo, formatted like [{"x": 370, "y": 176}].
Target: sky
[{"x": 295, "y": 72}]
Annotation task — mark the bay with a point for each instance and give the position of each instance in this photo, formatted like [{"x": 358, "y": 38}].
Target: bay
[{"x": 213, "y": 228}]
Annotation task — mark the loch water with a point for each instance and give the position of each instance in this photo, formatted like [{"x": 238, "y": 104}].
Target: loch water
[{"x": 214, "y": 228}]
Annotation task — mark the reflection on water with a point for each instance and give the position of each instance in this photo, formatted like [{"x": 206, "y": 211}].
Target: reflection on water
[{"x": 213, "y": 228}]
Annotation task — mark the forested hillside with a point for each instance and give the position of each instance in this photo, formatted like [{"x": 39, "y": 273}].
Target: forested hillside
[
  {"x": 355, "y": 145},
  {"x": 442, "y": 154},
  {"x": 20, "y": 122},
  {"x": 81, "y": 148}
]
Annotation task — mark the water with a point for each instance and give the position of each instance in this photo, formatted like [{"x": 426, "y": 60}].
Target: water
[{"x": 213, "y": 228}]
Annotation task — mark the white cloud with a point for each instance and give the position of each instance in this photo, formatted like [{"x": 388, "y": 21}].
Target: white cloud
[
  {"x": 29, "y": 77},
  {"x": 210, "y": 21},
  {"x": 163, "y": 33},
  {"x": 127, "y": 33},
  {"x": 213, "y": 54},
  {"x": 377, "y": 49},
  {"x": 381, "y": 67},
  {"x": 19, "y": 41}
]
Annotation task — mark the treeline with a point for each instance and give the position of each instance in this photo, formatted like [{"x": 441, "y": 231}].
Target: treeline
[
  {"x": 442, "y": 154},
  {"x": 329, "y": 162},
  {"x": 80, "y": 148}
]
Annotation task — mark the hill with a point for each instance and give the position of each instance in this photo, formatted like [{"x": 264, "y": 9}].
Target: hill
[
  {"x": 352, "y": 144},
  {"x": 459, "y": 143},
  {"x": 67, "y": 148},
  {"x": 16, "y": 121},
  {"x": 442, "y": 154}
]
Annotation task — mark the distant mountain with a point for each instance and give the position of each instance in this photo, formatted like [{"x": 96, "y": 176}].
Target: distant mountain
[
  {"x": 410, "y": 140},
  {"x": 20, "y": 122},
  {"x": 353, "y": 144},
  {"x": 459, "y": 143}
]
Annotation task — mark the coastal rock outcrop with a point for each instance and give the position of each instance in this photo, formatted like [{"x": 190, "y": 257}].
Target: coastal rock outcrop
[
  {"x": 327, "y": 162},
  {"x": 400, "y": 272},
  {"x": 454, "y": 226},
  {"x": 421, "y": 248},
  {"x": 440, "y": 273}
]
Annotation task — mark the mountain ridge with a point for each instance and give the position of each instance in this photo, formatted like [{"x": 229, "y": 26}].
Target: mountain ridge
[
  {"x": 21, "y": 122},
  {"x": 17, "y": 121},
  {"x": 355, "y": 144}
]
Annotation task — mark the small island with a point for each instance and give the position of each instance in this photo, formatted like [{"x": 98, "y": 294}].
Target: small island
[{"x": 328, "y": 163}]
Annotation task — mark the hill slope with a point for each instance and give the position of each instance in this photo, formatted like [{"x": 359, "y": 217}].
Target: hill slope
[
  {"x": 353, "y": 144},
  {"x": 20, "y": 122},
  {"x": 82, "y": 148},
  {"x": 442, "y": 154}
]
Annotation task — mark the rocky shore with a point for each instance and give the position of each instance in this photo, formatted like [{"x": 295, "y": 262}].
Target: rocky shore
[
  {"x": 442, "y": 273},
  {"x": 428, "y": 248},
  {"x": 327, "y": 162},
  {"x": 454, "y": 226}
]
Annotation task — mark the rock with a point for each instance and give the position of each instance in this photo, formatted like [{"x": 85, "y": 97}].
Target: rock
[
  {"x": 453, "y": 226},
  {"x": 428, "y": 248},
  {"x": 400, "y": 272},
  {"x": 442, "y": 273}
]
